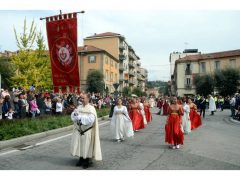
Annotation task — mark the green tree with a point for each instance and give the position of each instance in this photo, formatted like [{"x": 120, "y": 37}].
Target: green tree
[
  {"x": 204, "y": 84},
  {"x": 6, "y": 71},
  {"x": 95, "y": 81},
  {"x": 137, "y": 91},
  {"x": 227, "y": 81},
  {"x": 32, "y": 65},
  {"x": 126, "y": 91}
]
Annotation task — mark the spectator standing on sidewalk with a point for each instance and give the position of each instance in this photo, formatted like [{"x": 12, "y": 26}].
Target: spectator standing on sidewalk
[{"x": 6, "y": 106}]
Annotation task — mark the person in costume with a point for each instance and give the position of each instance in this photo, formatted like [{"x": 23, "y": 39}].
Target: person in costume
[
  {"x": 135, "y": 115},
  {"x": 165, "y": 106},
  {"x": 195, "y": 118},
  {"x": 160, "y": 105},
  {"x": 142, "y": 110},
  {"x": 85, "y": 142},
  {"x": 173, "y": 132},
  {"x": 186, "y": 123},
  {"x": 212, "y": 105},
  {"x": 121, "y": 124},
  {"x": 151, "y": 102},
  {"x": 147, "y": 111}
]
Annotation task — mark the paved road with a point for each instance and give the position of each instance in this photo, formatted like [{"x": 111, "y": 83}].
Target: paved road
[{"x": 215, "y": 145}]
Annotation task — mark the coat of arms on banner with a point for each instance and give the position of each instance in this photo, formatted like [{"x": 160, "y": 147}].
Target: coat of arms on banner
[{"x": 63, "y": 52}]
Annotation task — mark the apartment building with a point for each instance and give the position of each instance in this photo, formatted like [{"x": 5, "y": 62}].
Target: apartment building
[
  {"x": 116, "y": 45},
  {"x": 188, "y": 67},
  {"x": 93, "y": 58}
]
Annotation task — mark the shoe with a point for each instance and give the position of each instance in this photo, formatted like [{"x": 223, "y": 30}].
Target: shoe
[
  {"x": 178, "y": 146},
  {"x": 136, "y": 130},
  {"x": 85, "y": 164},
  {"x": 173, "y": 147},
  {"x": 118, "y": 140},
  {"x": 80, "y": 162},
  {"x": 122, "y": 139}
]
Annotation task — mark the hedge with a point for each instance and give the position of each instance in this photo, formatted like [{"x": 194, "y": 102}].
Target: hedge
[{"x": 10, "y": 129}]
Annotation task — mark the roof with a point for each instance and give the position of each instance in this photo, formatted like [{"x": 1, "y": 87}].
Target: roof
[
  {"x": 214, "y": 55},
  {"x": 104, "y": 35},
  {"x": 88, "y": 49}
]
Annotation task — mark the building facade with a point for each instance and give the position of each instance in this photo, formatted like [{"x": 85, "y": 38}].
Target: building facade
[
  {"x": 116, "y": 45},
  {"x": 93, "y": 58},
  {"x": 188, "y": 67}
]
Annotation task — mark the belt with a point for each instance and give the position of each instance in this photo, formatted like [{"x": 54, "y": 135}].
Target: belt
[{"x": 174, "y": 113}]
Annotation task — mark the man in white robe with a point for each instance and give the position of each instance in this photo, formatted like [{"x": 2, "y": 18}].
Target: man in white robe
[
  {"x": 85, "y": 138},
  {"x": 212, "y": 105}
]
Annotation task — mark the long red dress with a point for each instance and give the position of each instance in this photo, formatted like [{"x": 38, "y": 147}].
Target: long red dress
[
  {"x": 165, "y": 107},
  {"x": 173, "y": 132},
  {"x": 195, "y": 118},
  {"x": 147, "y": 111},
  {"x": 136, "y": 117}
]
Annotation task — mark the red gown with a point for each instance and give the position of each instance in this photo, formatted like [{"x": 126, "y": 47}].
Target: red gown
[
  {"x": 195, "y": 118},
  {"x": 148, "y": 113},
  {"x": 173, "y": 132},
  {"x": 165, "y": 108},
  {"x": 136, "y": 117}
]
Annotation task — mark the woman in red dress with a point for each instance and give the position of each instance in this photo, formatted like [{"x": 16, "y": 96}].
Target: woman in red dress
[
  {"x": 147, "y": 111},
  {"x": 135, "y": 115},
  {"x": 195, "y": 118},
  {"x": 165, "y": 107},
  {"x": 173, "y": 132}
]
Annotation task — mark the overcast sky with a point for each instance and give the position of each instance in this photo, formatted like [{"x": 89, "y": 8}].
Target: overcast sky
[{"x": 153, "y": 34}]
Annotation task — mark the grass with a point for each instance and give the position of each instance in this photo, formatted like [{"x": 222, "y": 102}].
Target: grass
[{"x": 23, "y": 127}]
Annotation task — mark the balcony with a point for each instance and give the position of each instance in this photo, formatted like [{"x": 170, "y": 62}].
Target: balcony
[
  {"x": 188, "y": 86},
  {"x": 121, "y": 68},
  {"x": 133, "y": 81},
  {"x": 121, "y": 79},
  {"x": 138, "y": 70},
  {"x": 138, "y": 63},
  {"x": 188, "y": 72},
  {"x": 122, "y": 57},
  {"x": 121, "y": 47},
  {"x": 131, "y": 73},
  {"x": 131, "y": 65}
]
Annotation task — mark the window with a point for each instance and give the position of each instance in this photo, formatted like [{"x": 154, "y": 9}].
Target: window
[
  {"x": 111, "y": 62},
  {"x": 116, "y": 65},
  {"x": 202, "y": 67},
  {"x": 217, "y": 65},
  {"x": 106, "y": 75},
  {"x": 106, "y": 60},
  {"x": 91, "y": 59},
  {"x": 188, "y": 81},
  {"x": 188, "y": 69},
  {"x": 232, "y": 63},
  {"x": 111, "y": 76}
]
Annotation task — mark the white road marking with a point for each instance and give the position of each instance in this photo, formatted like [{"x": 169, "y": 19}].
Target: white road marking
[
  {"x": 8, "y": 152},
  {"x": 44, "y": 142}
]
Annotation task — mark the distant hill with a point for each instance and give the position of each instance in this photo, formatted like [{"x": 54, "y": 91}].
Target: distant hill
[{"x": 162, "y": 85}]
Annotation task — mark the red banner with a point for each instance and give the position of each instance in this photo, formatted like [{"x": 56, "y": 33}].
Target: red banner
[{"x": 62, "y": 42}]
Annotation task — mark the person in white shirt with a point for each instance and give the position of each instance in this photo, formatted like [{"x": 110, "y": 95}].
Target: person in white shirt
[
  {"x": 85, "y": 138},
  {"x": 59, "y": 107}
]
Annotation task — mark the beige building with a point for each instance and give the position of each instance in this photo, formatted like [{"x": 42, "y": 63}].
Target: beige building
[
  {"x": 188, "y": 67},
  {"x": 116, "y": 45},
  {"x": 93, "y": 58}
]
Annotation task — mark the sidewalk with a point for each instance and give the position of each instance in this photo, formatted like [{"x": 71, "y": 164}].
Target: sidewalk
[{"x": 21, "y": 140}]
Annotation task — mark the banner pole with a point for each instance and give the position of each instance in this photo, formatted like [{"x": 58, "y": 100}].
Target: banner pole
[{"x": 61, "y": 14}]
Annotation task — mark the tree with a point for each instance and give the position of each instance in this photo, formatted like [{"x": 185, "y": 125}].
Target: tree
[
  {"x": 227, "y": 81},
  {"x": 32, "y": 66},
  {"x": 95, "y": 81},
  {"x": 137, "y": 91},
  {"x": 204, "y": 84},
  {"x": 6, "y": 71},
  {"x": 126, "y": 91}
]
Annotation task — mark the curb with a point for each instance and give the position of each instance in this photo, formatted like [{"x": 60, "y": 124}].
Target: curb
[
  {"x": 234, "y": 121},
  {"x": 21, "y": 140}
]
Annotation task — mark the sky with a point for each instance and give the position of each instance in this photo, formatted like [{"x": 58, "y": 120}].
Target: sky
[{"x": 153, "y": 33}]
